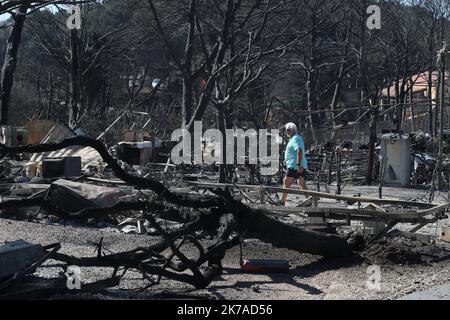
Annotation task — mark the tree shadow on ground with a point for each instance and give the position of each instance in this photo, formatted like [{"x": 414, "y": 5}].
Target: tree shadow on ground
[
  {"x": 294, "y": 275},
  {"x": 327, "y": 264},
  {"x": 290, "y": 278}
]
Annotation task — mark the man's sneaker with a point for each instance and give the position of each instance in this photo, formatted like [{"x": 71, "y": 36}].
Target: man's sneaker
[{"x": 279, "y": 203}]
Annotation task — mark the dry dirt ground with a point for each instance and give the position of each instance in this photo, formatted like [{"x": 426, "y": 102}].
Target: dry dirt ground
[{"x": 310, "y": 277}]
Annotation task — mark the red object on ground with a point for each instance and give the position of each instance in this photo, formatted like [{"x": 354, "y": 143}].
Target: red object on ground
[{"x": 265, "y": 266}]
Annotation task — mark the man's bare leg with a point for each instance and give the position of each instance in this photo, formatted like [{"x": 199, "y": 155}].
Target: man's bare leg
[
  {"x": 302, "y": 184},
  {"x": 287, "y": 182}
]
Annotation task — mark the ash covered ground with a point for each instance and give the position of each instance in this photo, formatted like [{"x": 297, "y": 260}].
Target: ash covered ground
[{"x": 407, "y": 265}]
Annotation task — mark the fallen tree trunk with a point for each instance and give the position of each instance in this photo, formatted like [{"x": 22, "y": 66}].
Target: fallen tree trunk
[
  {"x": 257, "y": 223},
  {"x": 269, "y": 230}
]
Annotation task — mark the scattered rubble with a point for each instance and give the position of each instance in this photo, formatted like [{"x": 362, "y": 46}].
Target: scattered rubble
[
  {"x": 395, "y": 249},
  {"x": 73, "y": 179}
]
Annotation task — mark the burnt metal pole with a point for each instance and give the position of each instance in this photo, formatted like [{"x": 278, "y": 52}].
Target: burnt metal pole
[
  {"x": 339, "y": 173},
  {"x": 441, "y": 63}
]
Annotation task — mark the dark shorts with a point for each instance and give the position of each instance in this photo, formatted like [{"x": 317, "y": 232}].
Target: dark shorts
[{"x": 292, "y": 173}]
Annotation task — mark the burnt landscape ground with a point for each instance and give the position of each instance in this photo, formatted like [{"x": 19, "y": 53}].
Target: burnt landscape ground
[{"x": 407, "y": 265}]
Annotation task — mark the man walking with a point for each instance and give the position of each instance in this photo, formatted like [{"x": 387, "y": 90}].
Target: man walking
[{"x": 295, "y": 160}]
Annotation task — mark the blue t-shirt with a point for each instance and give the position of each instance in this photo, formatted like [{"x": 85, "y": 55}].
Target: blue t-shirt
[{"x": 290, "y": 156}]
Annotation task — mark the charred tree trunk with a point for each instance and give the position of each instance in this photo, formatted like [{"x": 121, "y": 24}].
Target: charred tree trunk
[
  {"x": 9, "y": 65},
  {"x": 411, "y": 101},
  {"x": 337, "y": 91},
  {"x": 399, "y": 110},
  {"x": 50, "y": 97},
  {"x": 187, "y": 100},
  {"x": 75, "y": 90},
  {"x": 39, "y": 89},
  {"x": 222, "y": 46},
  {"x": 187, "y": 78},
  {"x": 430, "y": 102},
  {"x": 221, "y": 127},
  {"x": 403, "y": 99},
  {"x": 372, "y": 141},
  {"x": 310, "y": 96}
]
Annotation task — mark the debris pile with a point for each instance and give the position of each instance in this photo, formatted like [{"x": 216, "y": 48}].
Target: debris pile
[
  {"x": 343, "y": 164},
  {"x": 397, "y": 249}
]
